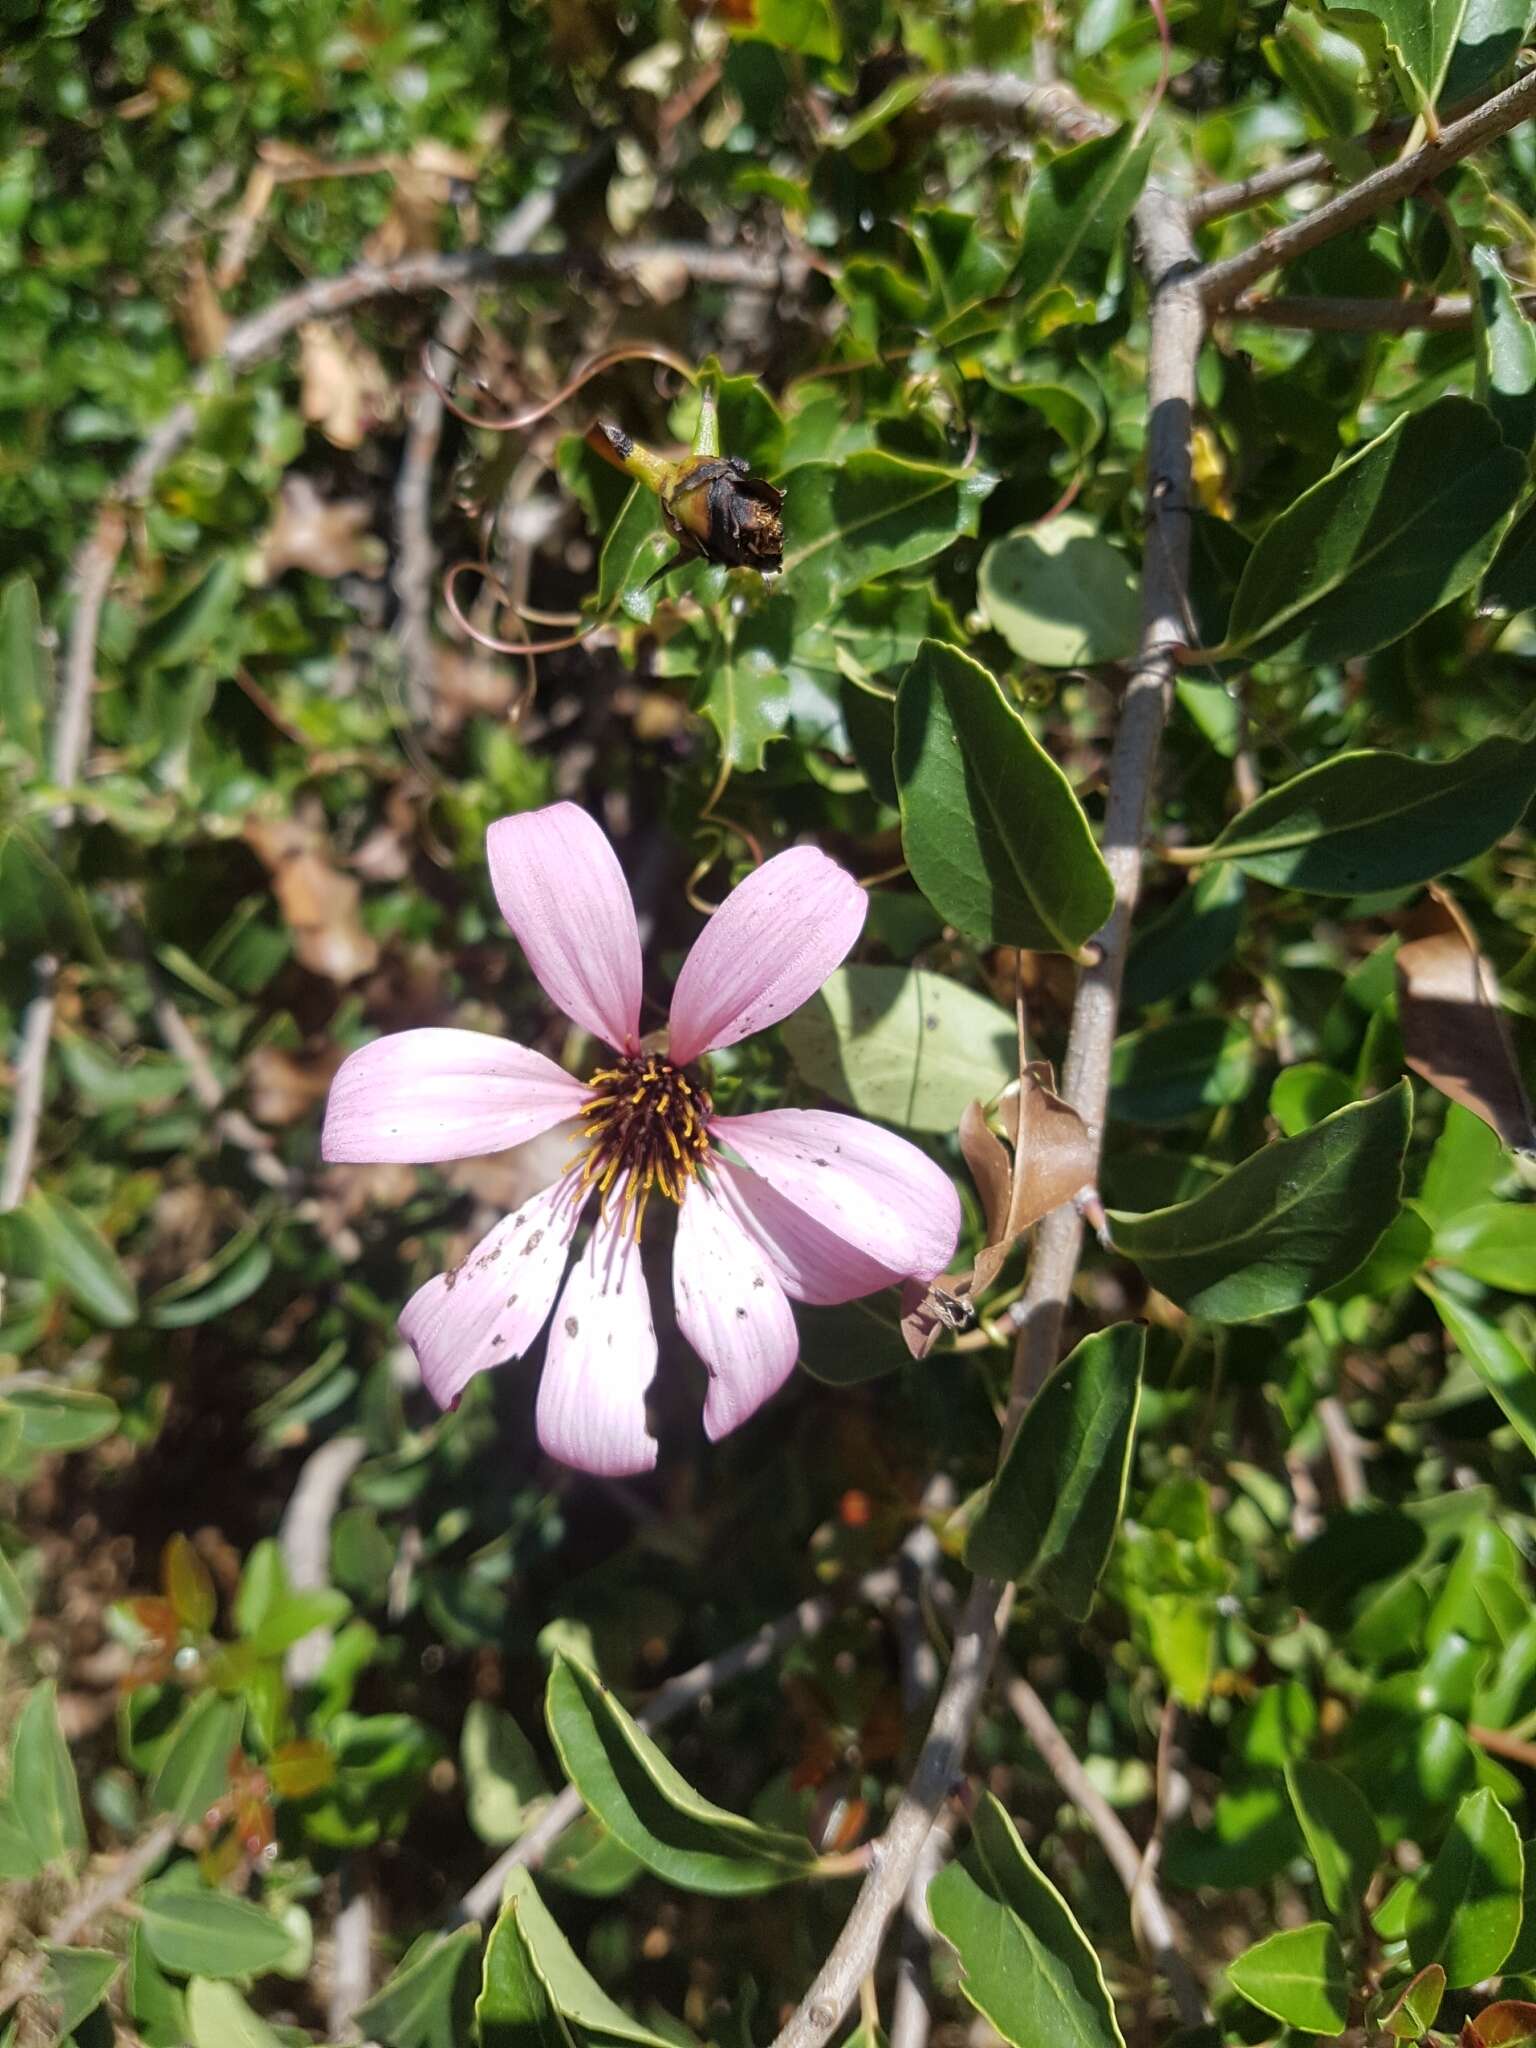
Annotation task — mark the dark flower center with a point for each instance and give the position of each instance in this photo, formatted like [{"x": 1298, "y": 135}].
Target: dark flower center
[{"x": 645, "y": 1125}]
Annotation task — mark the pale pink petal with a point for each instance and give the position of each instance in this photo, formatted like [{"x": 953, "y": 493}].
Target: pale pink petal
[
  {"x": 491, "y": 1307},
  {"x": 561, "y": 889},
  {"x": 883, "y": 1198},
  {"x": 601, "y": 1359},
  {"x": 422, "y": 1096},
  {"x": 812, "y": 1265},
  {"x": 731, "y": 1309},
  {"x": 767, "y": 949}
]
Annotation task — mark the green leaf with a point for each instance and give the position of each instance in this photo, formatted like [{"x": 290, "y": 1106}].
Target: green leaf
[
  {"x": 293, "y": 1616},
  {"x": 994, "y": 835},
  {"x": 82, "y": 1261},
  {"x": 156, "y": 2005},
  {"x": 194, "y": 1767},
  {"x": 187, "y": 629},
  {"x": 574, "y": 1992},
  {"x": 848, "y": 522},
  {"x": 1386, "y": 538},
  {"x": 516, "y": 2008},
  {"x": 208, "y": 1934},
  {"x": 43, "y": 1793},
  {"x": 1195, "y": 934},
  {"x": 1510, "y": 585},
  {"x": 745, "y": 686},
  {"x": 1050, "y": 1515},
  {"x": 26, "y": 671},
  {"x": 76, "y": 1983},
  {"x": 1327, "y": 73},
  {"x": 1369, "y": 821},
  {"x": 1298, "y": 1977},
  {"x": 1060, "y": 594},
  {"x": 60, "y": 1418},
  {"x": 634, "y": 548},
  {"x": 650, "y": 1807},
  {"x": 1420, "y": 39},
  {"x": 909, "y": 1047},
  {"x": 1466, "y": 1908},
  {"x": 1413, "y": 2012},
  {"x": 1304, "y": 1094},
  {"x": 1506, "y": 352},
  {"x": 1491, "y": 33},
  {"x": 1028, "y": 1967},
  {"x": 1166, "y": 1072},
  {"x": 807, "y": 26},
  {"x": 501, "y": 1772},
  {"x": 1287, "y": 1222},
  {"x": 18, "y": 1857},
  {"x": 1075, "y": 213},
  {"x": 218, "y": 2017},
  {"x": 15, "y": 1608},
  {"x": 427, "y": 2002},
  {"x": 1494, "y": 1242},
  {"x": 1504, "y": 1368},
  {"x": 1341, "y": 1835},
  {"x": 40, "y": 910},
  {"x": 237, "y": 1281}
]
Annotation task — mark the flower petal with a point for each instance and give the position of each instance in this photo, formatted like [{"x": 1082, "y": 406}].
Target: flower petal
[
  {"x": 810, "y": 1263},
  {"x": 767, "y": 949},
  {"x": 490, "y": 1308},
  {"x": 880, "y": 1196},
  {"x": 601, "y": 1359},
  {"x": 417, "y": 1097},
  {"x": 561, "y": 889},
  {"x": 731, "y": 1309}
]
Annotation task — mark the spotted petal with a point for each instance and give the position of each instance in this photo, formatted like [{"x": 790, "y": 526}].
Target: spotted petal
[
  {"x": 767, "y": 949},
  {"x": 601, "y": 1359},
  {"x": 490, "y": 1308},
  {"x": 731, "y": 1309},
  {"x": 891, "y": 1208},
  {"x": 562, "y": 891},
  {"x": 418, "y": 1097}
]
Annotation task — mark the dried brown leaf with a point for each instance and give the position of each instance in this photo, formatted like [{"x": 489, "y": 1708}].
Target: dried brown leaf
[
  {"x": 1509, "y": 2024},
  {"x": 319, "y": 905},
  {"x": 1454, "y": 1033},
  {"x": 345, "y": 390},
  {"x": 199, "y": 313},
  {"x": 285, "y": 1087},
  {"x": 323, "y": 536},
  {"x": 991, "y": 1168},
  {"x": 1053, "y": 1155}
]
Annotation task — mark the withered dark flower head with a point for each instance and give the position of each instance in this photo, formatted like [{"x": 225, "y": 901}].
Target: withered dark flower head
[{"x": 729, "y": 516}]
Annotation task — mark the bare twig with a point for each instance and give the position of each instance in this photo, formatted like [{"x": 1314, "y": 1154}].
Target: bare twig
[
  {"x": 1153, "y": 1923},
  {"x": 876, "y": 1588},
  {"x": 107, "y": 1895},
  {"x": 304, "y": 1536},
  {"x": 1220, "y": 283},
  {"x": 232, "y": 1125},
  {"x": 351, "y": 1959},
  {"x": 1216, "y": 201},
  {"x": 1343, "y": 1452},
  {"x": 911, "y": 2013},
  {"x": 1004, "y": 99},
  {"x": 1358, "y": 316},
  {"x": 31, "y": 1074}
]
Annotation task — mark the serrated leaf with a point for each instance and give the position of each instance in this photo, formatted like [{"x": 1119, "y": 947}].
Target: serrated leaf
[
  {"x": 1060, "y": 594},
  {"x": 44, "y": 1795},
  {"x": 1466, "y": 1907},
  {"x": 1341, "y": 1835},
  {"x": 1287, "y": 1222},
  {"x": 846, "y": 523},
  {"x": 1389, "y": 536},
  {"x": 896, "y": 1043},
  {"x": 1075, "y": 213},
  {"x": 1298, "y": 1977},
  {"x": 995, "y": 837},
  {"x": 1028, "y": 1967},
  {"x": 1049, "y": 1517},
  {"x": 208, "y": 1934},
  {"x": 648, "y": 1805},
  {"x": 1370, "y": 820},
  {"x": 1420, "y": 40},
  {"x": 427, "y": 2002}
]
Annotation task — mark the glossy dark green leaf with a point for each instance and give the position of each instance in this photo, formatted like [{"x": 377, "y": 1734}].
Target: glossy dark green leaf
[
  {"x": 1491, "y": 33},
  {"x": 1166, "y": 1072},
  {"x": 1506, "y": 352},
  {"x": 1510, "y": 585},
  {"x": 648, "y": 1805},
  {"x": 428, "y": 2002},
  {"x": 1420, "y": 39},
  {"x": 1372, "y": 821},
  {"x": 994, "y": 835},
  {"x": 1299, "y": 1977},
  {"x": 1049, "y": 1517},
  {"x": 1396, "y": 531},
  {"x": 194, "y": 1769},
  {"x": 1467, "y": 1906},
  {"x": 634, "y": 548},
  {"x": 593, "y": 2015},
  {"x": 1288, "y": 1221},
  {"x": 201, "y": 1933},
  {"x": 1304, "y": 1094},
  {"x": 1196, "y": 934},
  {"x": 1494, "y": 1242},
  {"x": 26, "y": 669},
  {"x": 82, "y": 1261},
  {"x": 1505, "y": 1368},
  {"x": 43, "y": 1793},
  {"x": 1341, "y": 1836},
  {"x": 1076, "y": 211},
  {"x": 1027, "y": 1966},
  {"x": 1060, "y": 594},
  {"x": 910, "y": 1048},
  {"x": 848, "y": 522}
]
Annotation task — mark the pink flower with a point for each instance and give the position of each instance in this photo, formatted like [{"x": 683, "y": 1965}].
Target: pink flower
[{"x": 785, "y": 1204}]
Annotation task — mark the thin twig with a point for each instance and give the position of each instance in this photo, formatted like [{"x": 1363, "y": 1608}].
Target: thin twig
[
  {"x": 107, "y": 1895},
  {"x": 875, "y": 1588},
  {"x": 1220, "y": 283},
  {"x": 31, "y": 1074},
  {"x": 1153, "y": 1922},
  {"x": 1343, "y": 1452},
  {"x": 1004, "y": 99},
  {"x": 1358, "y": 316},
  {"x": 304, "y": 1536},
  {"x": 911, "y": 2011},
  {"x": 351, "y": 1958},
  {"x": 1216, "y": 201}
]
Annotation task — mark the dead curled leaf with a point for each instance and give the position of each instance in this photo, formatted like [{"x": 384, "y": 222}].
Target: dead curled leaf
[
  {"x": 327, "y": 537},
  {"x": 319, "y": 905},
  {"x": 1454, "y": 1032},
  {"x": 1509, "y": 2024},
  {"x": 1049, "y": 1156},
  {"x": 344, "y": 389}
]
